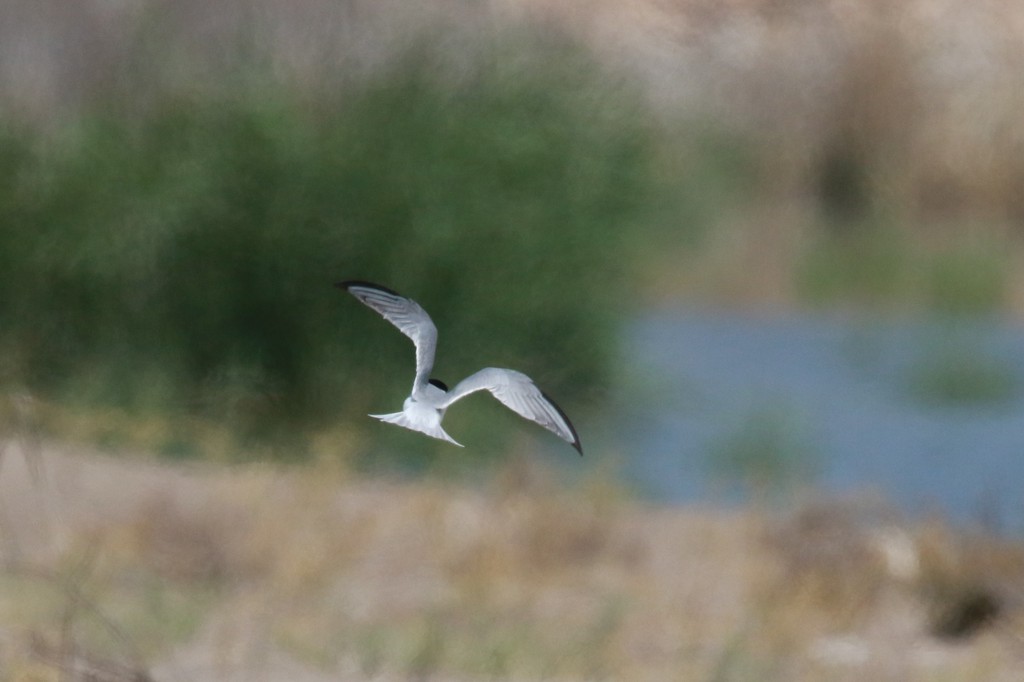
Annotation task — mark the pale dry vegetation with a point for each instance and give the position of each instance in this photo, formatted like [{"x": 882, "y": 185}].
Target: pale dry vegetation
[
  {"x": 881, "y": 144},
  {"x": 263, "y": 572}
]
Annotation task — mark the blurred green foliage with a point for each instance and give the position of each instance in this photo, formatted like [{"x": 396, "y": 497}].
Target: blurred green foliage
[
  {"x": 957, "y": 369},
  {"x": 868, "y": 264},
  {"x": 181, "y": 257},
  {"x": 879, "y": 264},
  {"x": 767, "y": 454},
  {"x": 972, "y": 279}
]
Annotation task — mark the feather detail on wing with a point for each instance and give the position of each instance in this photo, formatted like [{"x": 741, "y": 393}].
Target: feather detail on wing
[
  {"x": 407, "y": 315},
  {"x": 517, "y": 391}
]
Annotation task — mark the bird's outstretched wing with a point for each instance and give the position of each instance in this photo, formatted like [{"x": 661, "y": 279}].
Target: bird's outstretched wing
[
  {"x": 407, "y": 315},
  {"x": 518, "y": 392}
]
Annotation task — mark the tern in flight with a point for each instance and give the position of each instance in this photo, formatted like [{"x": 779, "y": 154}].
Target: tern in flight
[{"x": 424, "y": 409}]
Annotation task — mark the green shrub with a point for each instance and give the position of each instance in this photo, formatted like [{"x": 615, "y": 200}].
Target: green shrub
[{"x": 182, "y": 258}]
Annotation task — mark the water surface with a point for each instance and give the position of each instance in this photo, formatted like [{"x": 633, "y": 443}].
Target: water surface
[{"x": 861, "y": 406}]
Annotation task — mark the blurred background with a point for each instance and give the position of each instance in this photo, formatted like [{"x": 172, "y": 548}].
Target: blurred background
[{"x": 767, "y": 255}]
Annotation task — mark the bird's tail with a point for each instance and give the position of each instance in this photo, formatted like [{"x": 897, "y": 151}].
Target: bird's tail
[{"x": 401, "y": 419}]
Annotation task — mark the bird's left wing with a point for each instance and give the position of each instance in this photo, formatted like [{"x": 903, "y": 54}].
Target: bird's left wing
[
  {"x": 517, "y": 391},
  {"x": 406, "y": 314}
]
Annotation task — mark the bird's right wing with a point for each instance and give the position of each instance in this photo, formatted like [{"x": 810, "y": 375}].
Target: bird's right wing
[
  {"x": 407, "y": 315},
  {"x": 517, "y": 391}
]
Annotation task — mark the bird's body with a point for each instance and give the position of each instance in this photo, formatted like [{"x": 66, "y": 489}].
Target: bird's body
[
  {"x": 423, "y": 414},
  {"x": 425, "y": 407}
]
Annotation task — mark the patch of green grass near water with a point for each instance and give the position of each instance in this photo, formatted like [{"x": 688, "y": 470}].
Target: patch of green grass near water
[
  {"x": 958, "y": 370},
  {"x": 880, "y": 265},
  {"x": 768, "y": 453}
]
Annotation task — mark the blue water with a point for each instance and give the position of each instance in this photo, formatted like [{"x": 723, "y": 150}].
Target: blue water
[{"x": 844, "y": 391}]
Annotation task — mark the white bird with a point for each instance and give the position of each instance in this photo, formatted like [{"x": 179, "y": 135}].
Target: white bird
[{"x": 424, "y": 409}]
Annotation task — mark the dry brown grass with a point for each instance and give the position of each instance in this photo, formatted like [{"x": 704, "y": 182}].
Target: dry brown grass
[{"x": 263, "y": 572}]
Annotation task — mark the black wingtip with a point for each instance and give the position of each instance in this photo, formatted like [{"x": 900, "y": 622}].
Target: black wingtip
[
  {"x": 575, "y": 436},
  {"x": 349, "y": 283}
]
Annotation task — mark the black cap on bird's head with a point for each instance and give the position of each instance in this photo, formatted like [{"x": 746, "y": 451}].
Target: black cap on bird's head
[{"x": 440, "y": 384}]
